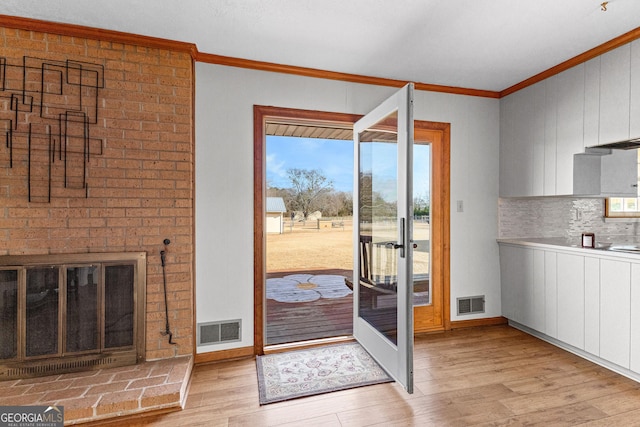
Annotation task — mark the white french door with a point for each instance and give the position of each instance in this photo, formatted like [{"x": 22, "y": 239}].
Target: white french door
[{"x": 383, "y": 251}]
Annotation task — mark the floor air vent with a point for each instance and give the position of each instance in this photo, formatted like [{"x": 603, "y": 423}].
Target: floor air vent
[
  {"x": 471, "y": 305},
  {"x": 219, "y": 332}
]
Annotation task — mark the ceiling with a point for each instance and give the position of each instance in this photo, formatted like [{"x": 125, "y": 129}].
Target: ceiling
[
  {"x": 328, "y": 131},
  {"x": 476, "y": 44}
]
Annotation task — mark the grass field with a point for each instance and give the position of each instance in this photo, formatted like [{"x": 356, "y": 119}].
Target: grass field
[{"x": 307, "y": 248}]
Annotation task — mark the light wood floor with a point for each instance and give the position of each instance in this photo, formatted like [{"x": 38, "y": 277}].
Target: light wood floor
[{"x": 490, "y": 376}]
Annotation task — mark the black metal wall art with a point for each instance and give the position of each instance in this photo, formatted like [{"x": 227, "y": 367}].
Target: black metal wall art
[{"x": 47, "y": 108}]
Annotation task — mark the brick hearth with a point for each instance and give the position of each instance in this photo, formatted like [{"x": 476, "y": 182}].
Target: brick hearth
[{"x": 105, "y": 393}]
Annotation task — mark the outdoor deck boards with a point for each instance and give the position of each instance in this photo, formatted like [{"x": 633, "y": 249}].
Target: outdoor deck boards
[
  {"x": 305, "y": 321},
  {"x": 323, "y": 318}
]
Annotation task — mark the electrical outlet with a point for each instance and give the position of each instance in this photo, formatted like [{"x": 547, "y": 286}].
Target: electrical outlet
[{"x": 577, "y": 214}]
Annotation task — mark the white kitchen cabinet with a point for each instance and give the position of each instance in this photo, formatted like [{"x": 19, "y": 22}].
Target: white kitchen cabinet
[
  {"x": 523, "y": 299},
  {"x": 591, "y": 102},
  {"x": 592, "y": 305},
  {"x": 635, "y": 318},
  {"x": 522, "y": 143},
  {"x": 610, "y": 175},
  {"x": 589, "y": 300},
  {"x": 509, "y": 257},
  {"x": 615, "y": 79},
  {"x": 543, "y": 126},
  {"x": 514, "y": 156},
  {"x": 550, "y": 139},
  {"x": 569, "y": 126},
  {"x": 525, "y": 306},
  {"x": 538, "y": 94},
  {"x": 634, "y": 116},
  {"x": 516, "y": 270},
  {"x": 615, "y": 311},
  {"x": 537, "y": 318},
  {"x": 550, "y": 294},
  {"x": 571, "y": 299},
  {"x": 620, "y": 174}
]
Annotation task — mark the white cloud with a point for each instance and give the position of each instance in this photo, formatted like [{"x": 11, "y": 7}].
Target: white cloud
[{"x": 276, "y": 171}]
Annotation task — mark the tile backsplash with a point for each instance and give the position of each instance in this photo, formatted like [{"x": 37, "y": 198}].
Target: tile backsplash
[{"x": 567, "y": 217}]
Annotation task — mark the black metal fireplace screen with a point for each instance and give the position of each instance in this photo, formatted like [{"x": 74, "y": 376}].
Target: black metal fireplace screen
[{"x": 62, "y": 313}]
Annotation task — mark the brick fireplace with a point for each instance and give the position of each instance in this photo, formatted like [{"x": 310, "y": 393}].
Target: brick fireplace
[{"x": 125, "y": 181}]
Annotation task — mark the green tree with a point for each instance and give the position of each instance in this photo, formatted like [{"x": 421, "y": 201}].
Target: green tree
[{"x": 421, "y": 206}]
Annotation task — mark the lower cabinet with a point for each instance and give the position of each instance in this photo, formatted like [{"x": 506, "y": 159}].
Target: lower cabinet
[
  {"x": 550, "y": 286},
  {"x": 592, "y": 305},
  {"x": 517, "y": 278},
  {"x": 588, "y": 302},
  {"x": 571, "y": 299},
  {"x": 615, "y": 311},
  {"x": 635, "y": 318}
]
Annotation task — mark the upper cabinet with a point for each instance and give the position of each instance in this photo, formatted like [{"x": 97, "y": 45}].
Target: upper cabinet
[
  {"x": 611, "y": 175},
  {"x": 520, "y": 123},
  {"x": 634, "y": 115},
  {"x": 592, "y": 102},
  {"x": 522, "y": 160},
  {"x": 569, "y": 125},
  {"x": 545, "y": 125},
  {"x": 615, "y": 79}
]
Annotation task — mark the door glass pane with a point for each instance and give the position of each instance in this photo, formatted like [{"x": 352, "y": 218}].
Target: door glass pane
[
  {"x": 421, "y": 224},
  {"x": 8, "y": 314},
  {"x": 118, "y": 305},
  {"x": 82, "y": 309},
  {"x": 42, "y": 311},
  {"x": 378, "y": 228}
]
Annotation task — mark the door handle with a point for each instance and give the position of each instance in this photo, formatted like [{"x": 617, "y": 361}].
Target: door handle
[{"x": 400, "y": 244}]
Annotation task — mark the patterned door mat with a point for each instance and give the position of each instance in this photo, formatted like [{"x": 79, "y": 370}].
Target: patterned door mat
[{"x": 284, "y": 376}]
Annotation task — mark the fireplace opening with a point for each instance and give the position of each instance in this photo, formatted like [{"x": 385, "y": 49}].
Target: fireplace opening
[{"x": 64, "y": 313}]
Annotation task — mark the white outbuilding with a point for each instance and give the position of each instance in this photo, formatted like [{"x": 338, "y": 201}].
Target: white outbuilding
[{"x": 275, "y": 215}]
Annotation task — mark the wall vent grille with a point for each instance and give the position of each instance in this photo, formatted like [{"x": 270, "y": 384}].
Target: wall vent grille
[
  {"x": 219, "y": 332},
  {"x": 471, "y": 305}
]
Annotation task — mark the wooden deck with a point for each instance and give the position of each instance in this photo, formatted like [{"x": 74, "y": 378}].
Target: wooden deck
[
  {"x": 305, "y": 321},
  {"x": 324, "y": 318}
]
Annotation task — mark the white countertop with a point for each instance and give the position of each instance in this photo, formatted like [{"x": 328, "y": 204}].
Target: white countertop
[{"x": 572, "y": 245}]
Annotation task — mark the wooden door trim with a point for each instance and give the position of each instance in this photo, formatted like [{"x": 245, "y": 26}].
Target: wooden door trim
[
  {"x": 440, "y": 215},
  {"x": 260, "y": 116}
]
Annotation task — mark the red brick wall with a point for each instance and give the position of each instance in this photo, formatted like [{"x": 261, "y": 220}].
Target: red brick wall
[{"x": 140, "y": 188}]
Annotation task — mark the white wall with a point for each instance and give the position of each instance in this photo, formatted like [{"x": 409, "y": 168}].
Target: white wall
[{"x": 225, "y": 97}]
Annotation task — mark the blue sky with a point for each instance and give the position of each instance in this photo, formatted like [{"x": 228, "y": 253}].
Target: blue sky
[{"x": 333, "y": 157}]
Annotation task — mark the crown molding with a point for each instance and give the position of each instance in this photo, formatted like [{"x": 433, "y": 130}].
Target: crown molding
[
  {"x": 333, "y": 75},
  {"x": 73, "y": 30},
  {"x": 576, "y": 60}
]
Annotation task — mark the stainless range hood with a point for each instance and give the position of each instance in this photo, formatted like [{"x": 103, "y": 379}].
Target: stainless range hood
[
  {"x": 627, "y": 144},
  {"x": 608, "y": 170}
]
